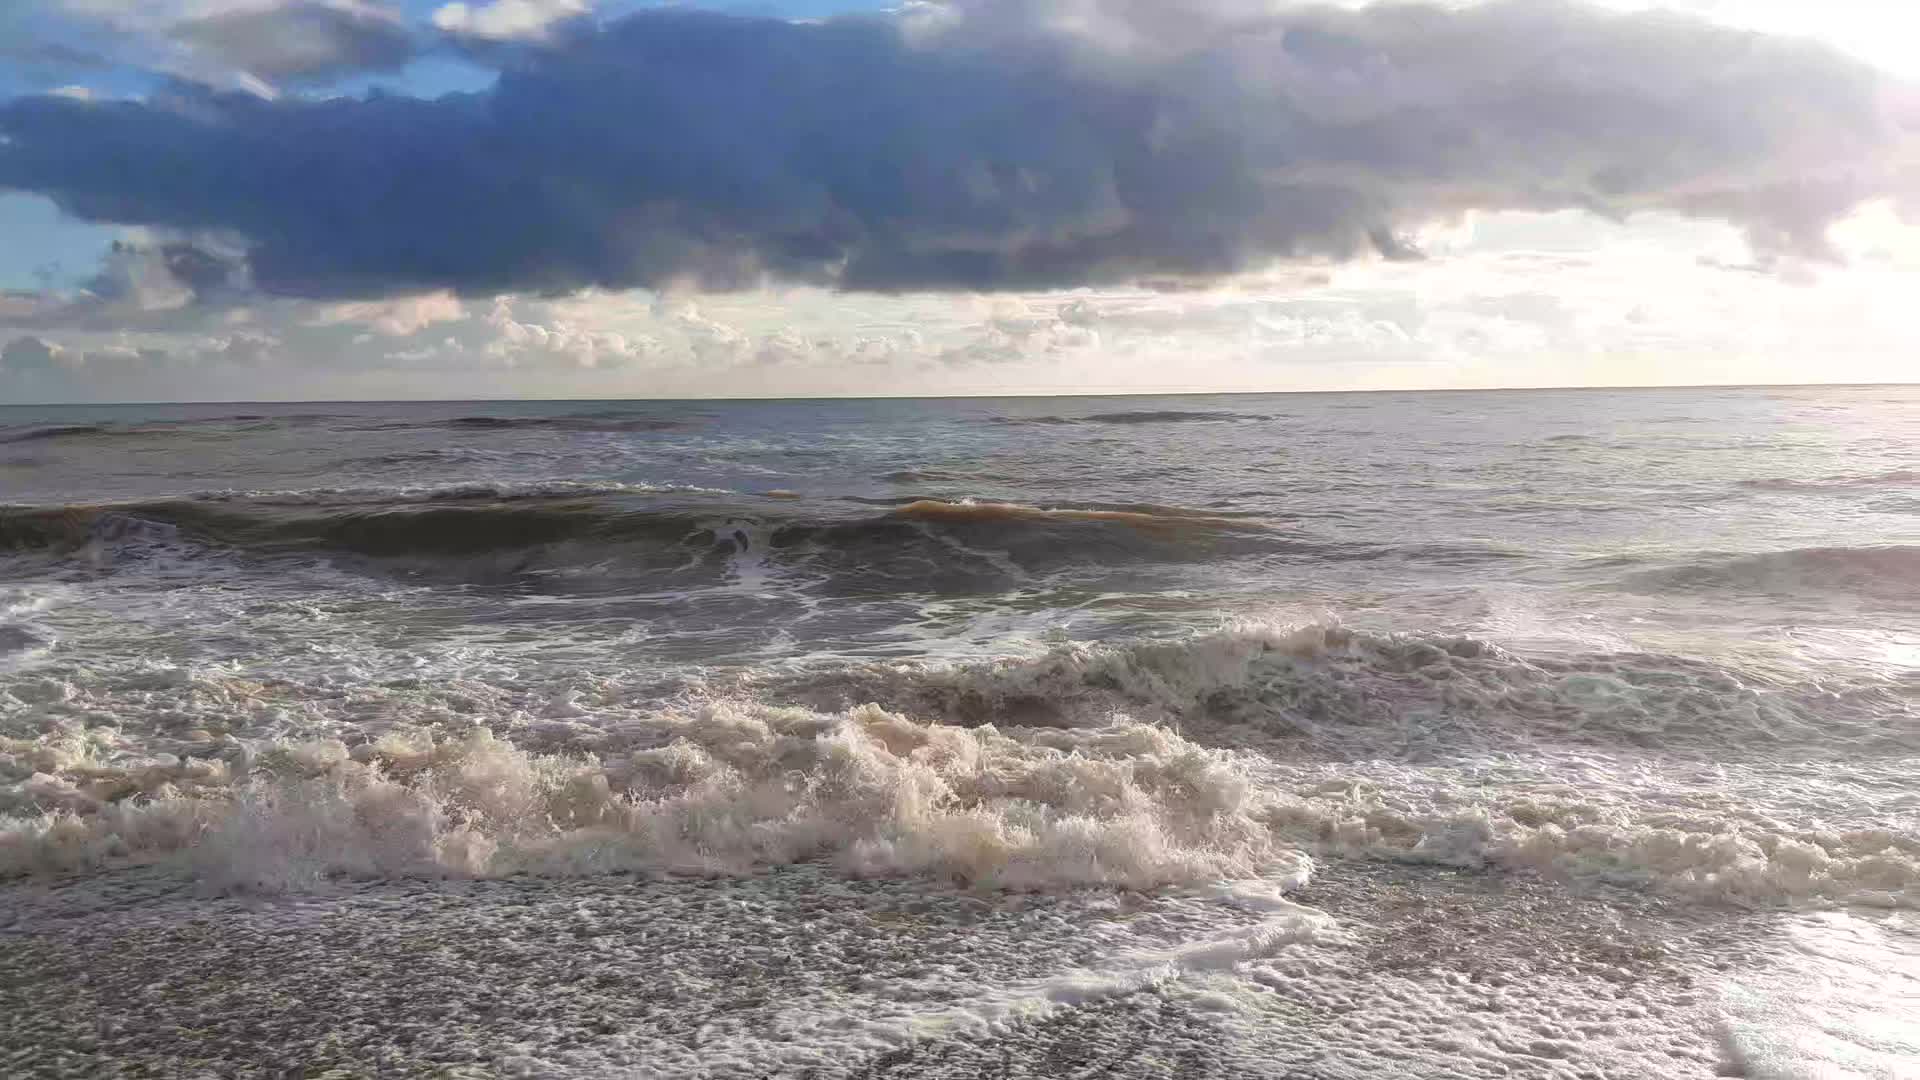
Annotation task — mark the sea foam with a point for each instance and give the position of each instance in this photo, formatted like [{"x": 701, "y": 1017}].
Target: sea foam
[
  {"x": 722, "y": 788},
  {"x": 1234, "y": 755}
]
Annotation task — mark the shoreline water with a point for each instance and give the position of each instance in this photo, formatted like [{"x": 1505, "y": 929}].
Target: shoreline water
[
  {"x": 1423, "y": 735},
  {"x": 801, "y": 969}
]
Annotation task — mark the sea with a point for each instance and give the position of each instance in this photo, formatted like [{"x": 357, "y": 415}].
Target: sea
[{"x": 1558, "y": 733}]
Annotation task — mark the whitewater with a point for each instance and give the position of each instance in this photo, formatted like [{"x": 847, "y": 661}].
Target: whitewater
[{"x": 1529, "y": 733}]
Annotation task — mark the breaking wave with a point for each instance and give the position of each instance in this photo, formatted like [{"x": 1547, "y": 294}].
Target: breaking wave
[
  {"x": 1335, "y": 693},
  {"x": 723, "y": 788},
  {"x": 1119, "y": 765},
  {"x": 641, "y": 527}
]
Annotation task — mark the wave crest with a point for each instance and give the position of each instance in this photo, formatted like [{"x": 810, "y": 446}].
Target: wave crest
[
  {"x": 1342, "y": 694},
  {"x": 582, "y": 529},
  {"x": 1117, "y": 765},
  {"x": 725, "y": 788}
]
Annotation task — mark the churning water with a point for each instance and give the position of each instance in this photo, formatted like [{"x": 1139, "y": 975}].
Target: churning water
[{"x": 1453, "y": 734}]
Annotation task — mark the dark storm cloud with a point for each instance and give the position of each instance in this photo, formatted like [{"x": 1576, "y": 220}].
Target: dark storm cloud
[
  {"x": 987, "y": 145},
  {"x": 302, "y": 39}
]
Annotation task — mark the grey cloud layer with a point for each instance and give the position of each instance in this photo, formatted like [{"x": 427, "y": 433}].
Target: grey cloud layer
[
  {"x": 255, "y": 44},
  {"x": 301, "y": 39},
  {"x": 987, "y": 145}
]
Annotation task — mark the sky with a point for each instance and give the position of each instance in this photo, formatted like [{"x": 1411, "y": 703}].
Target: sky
[{"x": 336, "y": 199}]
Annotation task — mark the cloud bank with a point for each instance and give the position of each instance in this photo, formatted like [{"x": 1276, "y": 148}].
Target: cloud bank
[
  {"x": 301, "y": 39},
  {"x": 253, "y": 45},
  {"x": 985, "y": 145}
]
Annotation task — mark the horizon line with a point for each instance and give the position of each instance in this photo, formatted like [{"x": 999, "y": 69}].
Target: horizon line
[{"x": 987, "y": 396}]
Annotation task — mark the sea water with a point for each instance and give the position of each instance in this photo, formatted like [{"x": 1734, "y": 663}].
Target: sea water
[{"x": 1556, "y": 733}]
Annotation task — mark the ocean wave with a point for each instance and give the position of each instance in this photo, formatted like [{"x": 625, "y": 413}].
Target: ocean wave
[
  {"x": 548, "y": 526},
  {"x": 582, "y": 422},
  {"x": 224, "y": 424},
  {"x": 1889, "y": 573},
  {"x": 19, "y": 639},
  {"x": 441, "y": 456},
  {"x": 1120, "y": 765},
  {"x": 924, "y": 476},
  {"x": 74, "y": 432},
  {"x": 1146, "y": 516},
  {"x": 61, "y": 528},
  {"x": 1157, "y": 416},
  {"x": 723, "y": 788},
  {"x": 437, "y": 525},
  {"x": 1341, "y": 694},
  {"x": 482, "y": 491},
  {"x": 1898, "y": 478},
  {"x": 574, "y": 537}
]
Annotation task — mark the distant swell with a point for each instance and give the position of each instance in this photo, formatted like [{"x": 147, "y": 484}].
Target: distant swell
[
  {"x": 1899, "y": 478},
  {"x": 71, "y": 432},
  {"x": 226, "y": 425},
  {"x": 1880, "y": 573},
  {"x": 1144, "y": 417},
  {"x": 582, "y": 422},
  {"x": 922, "y": 476}
]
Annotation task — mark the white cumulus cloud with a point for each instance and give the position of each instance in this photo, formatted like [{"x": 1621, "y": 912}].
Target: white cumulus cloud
[{"x": 507, "y": 20}]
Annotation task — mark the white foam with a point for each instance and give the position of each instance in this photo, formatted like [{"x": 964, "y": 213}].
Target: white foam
[
  {"x": 1327, "y": 689},
  {"x": 22, "y": 601},
  {"x": 879, "y": 1023},
  {"x": 253, "y": 783},
  {"x": 1753, "y": 835},
  {"x": 720, "y": 788},
  {"x": 1323, "y": 1001}
]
